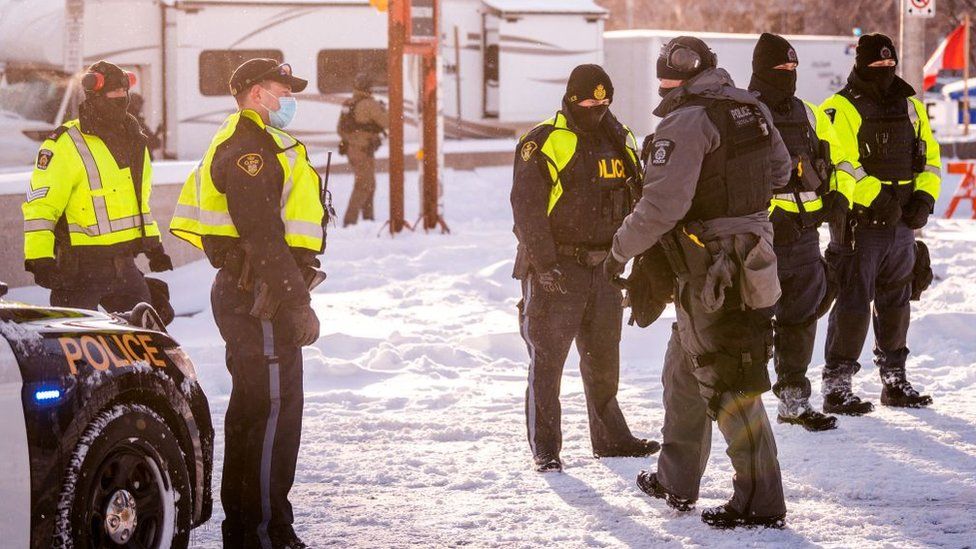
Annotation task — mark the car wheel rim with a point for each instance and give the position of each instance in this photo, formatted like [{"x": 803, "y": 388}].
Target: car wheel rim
[{"x": 127, "y": 501}]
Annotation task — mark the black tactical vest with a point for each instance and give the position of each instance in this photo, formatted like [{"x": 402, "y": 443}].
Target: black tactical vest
[
  {"x": 736, "y": 178},
  {"x": 801, "y": 139},
  {"x": 886, "y": 140}
]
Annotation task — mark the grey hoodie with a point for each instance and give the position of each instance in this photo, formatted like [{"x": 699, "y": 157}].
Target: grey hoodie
[{"x": 671, "y": 177}]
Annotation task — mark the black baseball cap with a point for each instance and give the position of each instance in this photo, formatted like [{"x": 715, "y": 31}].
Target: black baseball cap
[{"x": 258, "y": 70}]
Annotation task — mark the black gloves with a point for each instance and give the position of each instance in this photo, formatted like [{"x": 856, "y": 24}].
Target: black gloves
[
  {"x": 158, "y": 260},
  {"x": 553, "y": 281},
  {"x": 835, "y": 207},
  {"x": 612, "y": 269},
  {"x": 45, "y": 270},
  {"x": 299, "y": 323},
  {"x": 916, "y": 212},
  {"x": 885, "y": 208}
]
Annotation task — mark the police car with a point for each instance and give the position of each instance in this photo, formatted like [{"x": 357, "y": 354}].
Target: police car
[{"x": 105, "y": 435}]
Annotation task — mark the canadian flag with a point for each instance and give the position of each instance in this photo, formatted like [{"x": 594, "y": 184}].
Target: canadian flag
[{"x": 950, "y": 55}]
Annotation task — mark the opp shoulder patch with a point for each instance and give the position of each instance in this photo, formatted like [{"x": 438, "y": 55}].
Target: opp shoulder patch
[
  {"x": 251, "y": 163},
  {"x": 831, "y": 113},
  {"x": 661, "y": 151},
  {"x": 44, "y": 157},
  {"x": 527, "y": 149}
]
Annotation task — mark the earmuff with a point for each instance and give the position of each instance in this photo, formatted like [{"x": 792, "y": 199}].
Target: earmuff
[
  {"x": 95, "y": 81},
  {"x": 684, "y": 59}
]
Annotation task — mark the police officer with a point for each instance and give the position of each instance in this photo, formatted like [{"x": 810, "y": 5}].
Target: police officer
[
  {"x": 87, "y": 215},
  {"x": 886, "y": 129},
  {"x": 815, "y": 193},
  {"x": 254, "y": 206},
  {"x": 362, "y": 123},
  {"x": 569, "y": 195},
  {"x": 714, "y": 161}
]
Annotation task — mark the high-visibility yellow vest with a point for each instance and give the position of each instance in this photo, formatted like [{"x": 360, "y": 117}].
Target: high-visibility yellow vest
[
  {"x": 77, "y": 177},
  {"x": 560, "y": 147},
  {"x": 202, "y": 209}
]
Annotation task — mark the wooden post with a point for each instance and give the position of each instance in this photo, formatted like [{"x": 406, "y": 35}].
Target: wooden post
[
  {"x": 457, "y": 78},
  {"x": 431, "y": 174},
  {"x": 397, "y": 11}
]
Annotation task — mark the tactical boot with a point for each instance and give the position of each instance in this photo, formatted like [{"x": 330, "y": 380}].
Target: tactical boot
[
  {"x": 846, "y": 403},
  {"x": 649, "y": 484},
  {"x": 840, "y": 399},
  {"x": 548, "y": 465},
  {"x": 794, "y": 409},
  {"x": 639, "y": 447},
  {"x": 284, "y": 537},
  {"x": 897, "y": 392},
  {"x": 725, "y": 517}
]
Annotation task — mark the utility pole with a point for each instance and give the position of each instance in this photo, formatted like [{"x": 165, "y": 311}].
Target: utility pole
[
  {"x": 73, "y": 50},
  {"x": 396, "y": 36},
  {"x": 911, "y": 41}
]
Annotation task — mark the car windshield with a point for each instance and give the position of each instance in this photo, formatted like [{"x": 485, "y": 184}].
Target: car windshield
[{"x": 32, "y": 94}]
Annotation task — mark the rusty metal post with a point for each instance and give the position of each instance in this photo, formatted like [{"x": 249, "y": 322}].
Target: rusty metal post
[{"x": 396, "y": 36}]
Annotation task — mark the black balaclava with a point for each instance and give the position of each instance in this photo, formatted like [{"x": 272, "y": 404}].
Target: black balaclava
[
  {"x": 108, "y": 112},
  {"x": 871, "y": 48},
  {"x": 774, "y": 85},
  {"x": 668, "y": 70},
  {"x": 587, "y": 82}
]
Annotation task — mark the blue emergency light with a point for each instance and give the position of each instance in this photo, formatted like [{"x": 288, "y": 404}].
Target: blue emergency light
[{"x": 47, "y": 396}]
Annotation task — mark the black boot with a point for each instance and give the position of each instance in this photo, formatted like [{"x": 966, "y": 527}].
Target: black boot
[
  {"x": 284, "y": 537},
  {"x": 639, "y": 447},
  {"x": 839, "y": 398},
  {"x": 649, "y": 484},
  {"x": 725, "y": 517},
  {"x": 794, "y": 409},
  {"x": 897, "y": 392},
  {"x": 548, "y": 465}
]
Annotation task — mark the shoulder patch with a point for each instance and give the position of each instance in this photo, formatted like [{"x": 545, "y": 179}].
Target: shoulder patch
[
  {"x": 661, "y": 151},
  {"x": 44, "y": 157},
  {"x": 831, "y": 113},
  {"x": 527, "y": 149},
  {"x": 251, "y": 163}
]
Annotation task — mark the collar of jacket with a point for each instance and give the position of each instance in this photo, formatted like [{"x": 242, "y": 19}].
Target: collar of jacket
[
  {"x": 711, "y": 83},
  {"x": 253, "y": 116},
  {"x": 899, "y": 88}
]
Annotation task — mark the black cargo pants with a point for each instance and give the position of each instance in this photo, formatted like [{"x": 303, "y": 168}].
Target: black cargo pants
[
  {"x": 803, "y": 280},
  {"x": 883, "y": 262},
  {"x": 591, "y": 313},
  {"x": 263, "y": 423},
  {"x": 115, "y": 284}
]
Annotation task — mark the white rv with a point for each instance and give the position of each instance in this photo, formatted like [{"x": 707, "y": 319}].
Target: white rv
[
  {"x": 515, "y": 56},
  {"x": 631, "y": 57}
]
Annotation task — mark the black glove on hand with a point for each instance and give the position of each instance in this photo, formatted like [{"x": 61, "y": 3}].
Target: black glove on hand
[
  {"x": 159, "y": 261},
  {"x": 835, "y": 207},
  {"x": 299, "y": 323},
  {"x": 612, "y": 269},
  {"x": 46, "y": 273},
  {"x": 886, "y": 209},
  {"x": 917, "y": 211},
  {"x": 553, "y": 281}
]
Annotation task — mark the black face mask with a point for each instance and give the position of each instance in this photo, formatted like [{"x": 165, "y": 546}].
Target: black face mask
[
  {"x": 774, "y": 85},
  {"x": 882, "y": 77},
  {"x": 588, "y": 118},
  {"x": 110, "y": 110}
]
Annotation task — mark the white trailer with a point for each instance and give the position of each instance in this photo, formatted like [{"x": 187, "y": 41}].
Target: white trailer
[
  {"x": 515, "y": 57},
  {"x": 631, "y": 57}
]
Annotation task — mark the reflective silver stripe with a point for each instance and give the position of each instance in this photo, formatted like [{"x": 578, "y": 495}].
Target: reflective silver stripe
[
  {"x": 270, "y": 428},
  {"x": 187, "y": 212},
  {"x": 811, "y": 116},
  {"x": 215, "y": 218},
  {"x": 87, "y": 158},
  {"x": 848, "y": 168},
  {"x": 39, "y": 225},
  {"x": 303, "y": 228},
  {"x": 912, "y": 113},
  {"x": 530, "y": 419},
  {"x": 90, "y": 231},
  {"x": 933, "y": 169},
  {"x": 804, "y": 197}
]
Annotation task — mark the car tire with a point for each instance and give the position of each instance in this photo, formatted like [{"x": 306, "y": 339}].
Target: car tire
[{"x": 127, "y": 458}]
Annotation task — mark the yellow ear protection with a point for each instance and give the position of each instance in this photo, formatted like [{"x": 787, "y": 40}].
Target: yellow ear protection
[{"x": 95, "y": 81}]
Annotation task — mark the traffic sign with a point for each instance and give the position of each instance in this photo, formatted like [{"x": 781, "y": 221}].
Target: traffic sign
[{"x": 920, "y": 8}]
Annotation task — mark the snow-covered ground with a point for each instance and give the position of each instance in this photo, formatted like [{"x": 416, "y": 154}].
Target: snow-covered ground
[{"x": 414, "y": 434}]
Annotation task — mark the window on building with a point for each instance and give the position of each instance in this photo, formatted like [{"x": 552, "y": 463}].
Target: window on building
[
  {"x": 216, "y": 66},
  {"x": 337, "y": 69}
]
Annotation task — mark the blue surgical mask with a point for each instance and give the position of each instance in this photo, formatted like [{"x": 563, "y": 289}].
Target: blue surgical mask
[{"x": 287, "y": 107}]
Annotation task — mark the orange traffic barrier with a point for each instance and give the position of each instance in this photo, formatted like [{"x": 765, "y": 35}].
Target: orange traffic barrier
[{"x": 966, "y": 189}]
